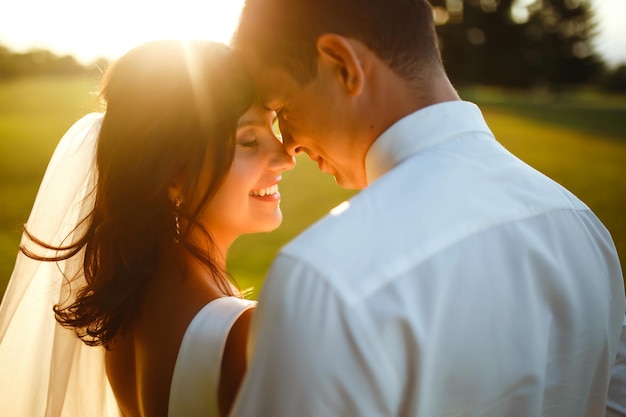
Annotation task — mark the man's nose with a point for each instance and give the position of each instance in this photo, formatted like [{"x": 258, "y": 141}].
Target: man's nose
[{"x": 290, "y": 145}]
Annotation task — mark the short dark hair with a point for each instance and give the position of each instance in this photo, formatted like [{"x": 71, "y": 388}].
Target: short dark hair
[{"x": 284, "y": 32}]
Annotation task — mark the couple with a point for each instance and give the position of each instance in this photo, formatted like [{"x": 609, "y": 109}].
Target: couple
[{"x": 459, "y": 281}]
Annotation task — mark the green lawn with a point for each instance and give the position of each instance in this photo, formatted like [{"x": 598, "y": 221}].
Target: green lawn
[
  {"x": 578, "y": 140},
  {"x": 34, "y": 113}
]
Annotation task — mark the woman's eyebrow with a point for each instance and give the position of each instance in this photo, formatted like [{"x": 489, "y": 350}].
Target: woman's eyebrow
[{"x": 250, "y": 122}]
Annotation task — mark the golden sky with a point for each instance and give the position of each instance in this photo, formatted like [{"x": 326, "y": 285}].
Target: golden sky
[{"x": 89, "y": 29}]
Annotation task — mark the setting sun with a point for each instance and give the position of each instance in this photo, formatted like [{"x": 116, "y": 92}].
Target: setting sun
[{"x": 88, "y": 29}]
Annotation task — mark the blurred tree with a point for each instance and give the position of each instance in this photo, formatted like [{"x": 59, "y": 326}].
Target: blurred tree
[
  {"x": 616, "y": 80},
  {"x": 517, "y": 43},
  {"x": 40, "y": 62}
]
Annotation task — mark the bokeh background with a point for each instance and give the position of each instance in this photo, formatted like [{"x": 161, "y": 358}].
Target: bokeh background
[{"x": 550, "y": 76}]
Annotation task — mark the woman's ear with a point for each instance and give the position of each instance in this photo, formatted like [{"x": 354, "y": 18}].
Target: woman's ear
[
  {"x": 176, "y": 188},
  {"x": 174, "y": 194},
  {"x": 340, "y": 55}
]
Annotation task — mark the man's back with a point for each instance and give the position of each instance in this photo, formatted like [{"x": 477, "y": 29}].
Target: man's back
[{"x": 462, "y": 282}]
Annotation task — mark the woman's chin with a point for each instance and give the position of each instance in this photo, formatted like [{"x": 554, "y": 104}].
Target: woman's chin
[{"x": 268, "y": 224}]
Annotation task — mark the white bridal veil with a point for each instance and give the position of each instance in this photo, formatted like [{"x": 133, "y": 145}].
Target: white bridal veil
[{"x": 45, "y": 370}]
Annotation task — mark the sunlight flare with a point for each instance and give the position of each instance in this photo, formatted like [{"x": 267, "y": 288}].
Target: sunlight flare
[{"x": 89, "y": 29}]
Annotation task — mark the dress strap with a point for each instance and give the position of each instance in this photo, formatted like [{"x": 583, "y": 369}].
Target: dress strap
[{"x": 196, "y": 375}]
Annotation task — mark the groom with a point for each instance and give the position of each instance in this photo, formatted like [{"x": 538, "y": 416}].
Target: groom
[{"x": 459, "y": 281}]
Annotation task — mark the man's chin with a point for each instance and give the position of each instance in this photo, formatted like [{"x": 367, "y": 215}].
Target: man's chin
[
  {"x": 348, "y": 184},
  {"x": 344, "y": 181}
]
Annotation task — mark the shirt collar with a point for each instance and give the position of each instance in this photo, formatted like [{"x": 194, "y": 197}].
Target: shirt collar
[{"x": 420, "y": 130}]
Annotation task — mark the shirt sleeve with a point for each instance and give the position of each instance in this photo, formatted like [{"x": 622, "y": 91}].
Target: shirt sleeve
[
  {"x": 616, "y": 403},
  {"x": 311, "y": 352}
]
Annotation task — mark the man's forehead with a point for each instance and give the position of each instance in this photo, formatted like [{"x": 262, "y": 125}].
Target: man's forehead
[{"x": 272, "y": 83}]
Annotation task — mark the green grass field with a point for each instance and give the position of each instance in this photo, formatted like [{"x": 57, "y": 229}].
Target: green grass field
[{"x": 577, "y": 139}]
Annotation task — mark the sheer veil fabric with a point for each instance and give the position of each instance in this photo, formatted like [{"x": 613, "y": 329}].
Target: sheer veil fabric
[{"x": 45, "y": 370}]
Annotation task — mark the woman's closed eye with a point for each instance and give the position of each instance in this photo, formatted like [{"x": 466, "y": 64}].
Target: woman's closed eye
[{"x": 249, "y": 142}]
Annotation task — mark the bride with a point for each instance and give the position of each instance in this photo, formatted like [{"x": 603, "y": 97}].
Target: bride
[{"x": 120, "y": 302}]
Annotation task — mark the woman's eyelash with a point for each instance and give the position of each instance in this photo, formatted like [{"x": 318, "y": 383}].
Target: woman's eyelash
[{"x": 249, "y": 143}]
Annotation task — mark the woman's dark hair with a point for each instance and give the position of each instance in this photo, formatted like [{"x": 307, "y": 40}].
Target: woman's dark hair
[
  {"x": 284, "y": 32},
  {"x": 171, "y": 115}
]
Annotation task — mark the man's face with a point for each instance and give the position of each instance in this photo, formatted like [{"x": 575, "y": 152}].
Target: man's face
[{"x": 317, "y": 119}]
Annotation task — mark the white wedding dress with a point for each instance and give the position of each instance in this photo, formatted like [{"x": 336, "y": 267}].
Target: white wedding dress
[
  {"x": 195, "y": 382},
  {"x": 45, "y": 369}
]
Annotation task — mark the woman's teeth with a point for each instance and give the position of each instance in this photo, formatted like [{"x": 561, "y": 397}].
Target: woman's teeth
[{"x": 265, "y": 191}]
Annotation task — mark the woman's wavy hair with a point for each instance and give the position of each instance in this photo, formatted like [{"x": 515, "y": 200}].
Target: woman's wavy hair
[{"x": 171, "y": 113}]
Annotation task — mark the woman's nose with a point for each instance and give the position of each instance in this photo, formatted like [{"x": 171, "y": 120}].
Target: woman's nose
[
  {"x": 285, "y": 161},
  {"x": 282, "y": 160}
]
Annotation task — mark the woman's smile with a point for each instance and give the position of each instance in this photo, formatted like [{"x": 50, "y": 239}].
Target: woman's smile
[{"x": 268, "y": 193}]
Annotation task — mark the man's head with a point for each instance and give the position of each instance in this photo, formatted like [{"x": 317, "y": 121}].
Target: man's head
[
  {"x": 284, "y": 32},
  {"x": 340, "y": 72}
]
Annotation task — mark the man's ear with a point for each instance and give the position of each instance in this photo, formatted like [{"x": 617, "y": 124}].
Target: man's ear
[{"x": 337, "y": 52}]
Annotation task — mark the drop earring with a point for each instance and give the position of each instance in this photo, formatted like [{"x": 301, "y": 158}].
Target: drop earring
[{"x": 177, "y": 220}]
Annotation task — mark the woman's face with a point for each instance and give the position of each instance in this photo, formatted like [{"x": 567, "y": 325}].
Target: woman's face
[{"x": 248, "y": 200}]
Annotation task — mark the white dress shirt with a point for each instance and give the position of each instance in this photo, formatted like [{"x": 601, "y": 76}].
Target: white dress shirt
[
  {"x": 616, "y": 404},
  {"x": 460, "y": 282}
]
